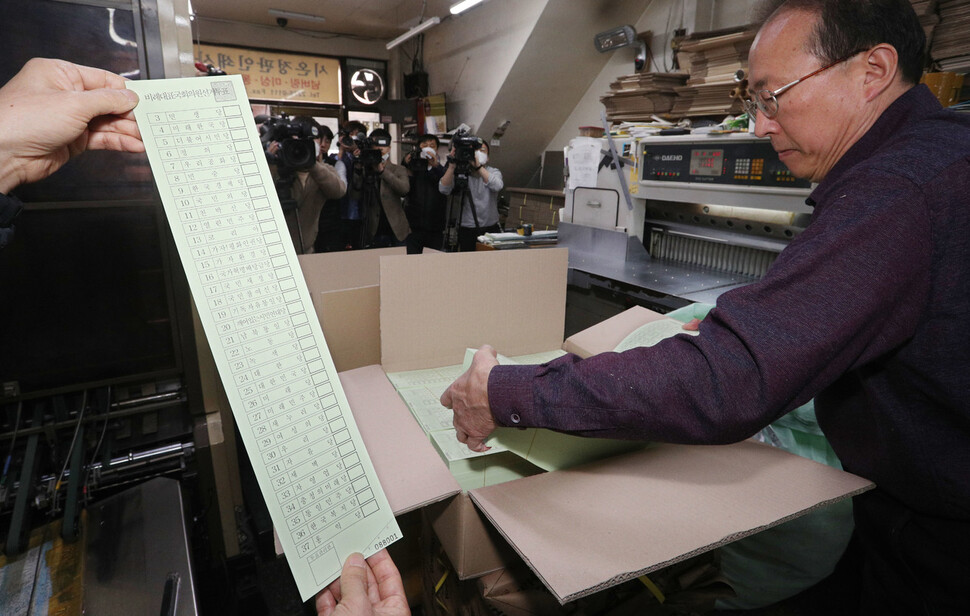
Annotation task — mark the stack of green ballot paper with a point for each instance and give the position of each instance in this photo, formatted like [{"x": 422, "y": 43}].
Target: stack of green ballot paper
[{"x": 514, "y": 453}]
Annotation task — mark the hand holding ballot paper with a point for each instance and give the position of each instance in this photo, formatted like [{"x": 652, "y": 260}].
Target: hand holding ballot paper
[
  {"x": 468, "y": 395},
  {"x": 309, "y": 459},
  {"x": 468, "y": 398},
  {"x": 312, "y": 466},
  {"x": 53, "y": 110},
  {"x": 371, "y": 587}
]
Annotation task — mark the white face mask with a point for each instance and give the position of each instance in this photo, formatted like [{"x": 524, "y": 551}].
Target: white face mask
[
  {"x": 481, "y": 157},
  {"x": 385, "y": 156},
  {"x": 427, "y": 153}
]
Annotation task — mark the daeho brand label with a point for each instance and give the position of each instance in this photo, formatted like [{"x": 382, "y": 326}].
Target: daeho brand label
[{"x": 671, "y": 157}]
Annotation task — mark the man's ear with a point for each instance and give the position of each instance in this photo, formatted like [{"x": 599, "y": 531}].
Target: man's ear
[{"x": 881, "y": 70}]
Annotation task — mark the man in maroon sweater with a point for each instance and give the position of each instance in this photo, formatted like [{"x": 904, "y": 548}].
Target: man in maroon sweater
[{"x": 867, "y": 311}]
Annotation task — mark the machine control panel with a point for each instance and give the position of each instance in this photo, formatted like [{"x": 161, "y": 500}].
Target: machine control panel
[{"x": 714, "y": 161}]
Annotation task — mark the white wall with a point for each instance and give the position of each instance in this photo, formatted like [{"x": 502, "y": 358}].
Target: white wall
[
  {"x": 661, "y": 17},
  {"x": 468, "y": 56}
]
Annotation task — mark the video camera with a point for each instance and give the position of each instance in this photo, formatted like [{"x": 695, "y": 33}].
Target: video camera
[
  {"x": 465, "y": 146},
  {"x": 297, "y": 149},
  {"x": 370, "y": 155},
  {"x": 415, "y": 160}
]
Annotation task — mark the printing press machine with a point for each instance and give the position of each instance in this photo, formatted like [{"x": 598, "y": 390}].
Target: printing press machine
[
  {"x": 676, "y": 220},
  {"x": 120, "y": 489}
]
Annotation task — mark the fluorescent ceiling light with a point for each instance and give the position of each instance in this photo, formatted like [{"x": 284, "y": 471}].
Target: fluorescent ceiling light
[
  {"x": 416, "y": 30},
  {"x": 462, "y": 6},
  {"x": 294, "y": 15}
]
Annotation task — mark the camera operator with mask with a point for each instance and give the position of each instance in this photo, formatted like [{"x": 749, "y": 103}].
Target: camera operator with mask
[
  {"x": 426, "y": 204},
  {"x": 340, "y": 221},
  {"x": 479, "y": 208},
  {"x": 312, "y": 187},
  {"x": 386, "y": 223}
]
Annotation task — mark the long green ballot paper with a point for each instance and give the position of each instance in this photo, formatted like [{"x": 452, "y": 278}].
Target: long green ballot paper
[{"x": 310, "y": 462}]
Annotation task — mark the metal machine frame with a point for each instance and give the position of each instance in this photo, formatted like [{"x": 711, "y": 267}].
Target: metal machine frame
[{"x": 688, "y": 238}]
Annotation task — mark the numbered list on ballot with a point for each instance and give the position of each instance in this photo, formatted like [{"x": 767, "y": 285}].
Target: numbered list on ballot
[{"x": 313, "y": 470}]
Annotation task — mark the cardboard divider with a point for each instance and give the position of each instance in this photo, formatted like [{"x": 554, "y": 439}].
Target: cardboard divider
[
  {"x": 351, "y": 324},
  {"x": 345, "y": 290},
  {"x": 435, "y": 307},
  {"x": 333, "y": 271}
]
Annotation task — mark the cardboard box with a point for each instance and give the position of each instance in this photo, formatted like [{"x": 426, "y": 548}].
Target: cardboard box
[
  {"x": 581, "y": 530},
  {"x": 345, "y": 290}
]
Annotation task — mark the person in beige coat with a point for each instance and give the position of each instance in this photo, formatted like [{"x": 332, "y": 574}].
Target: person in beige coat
[
  {"x": 387, "y": 225},
  {"x": 311, "y": 190}
]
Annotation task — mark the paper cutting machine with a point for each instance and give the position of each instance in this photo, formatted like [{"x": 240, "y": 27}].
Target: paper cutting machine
[{"x": 706, "y": 214}]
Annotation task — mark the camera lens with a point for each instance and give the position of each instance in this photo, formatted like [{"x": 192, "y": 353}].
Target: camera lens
[{"x": 297, "y": 153}]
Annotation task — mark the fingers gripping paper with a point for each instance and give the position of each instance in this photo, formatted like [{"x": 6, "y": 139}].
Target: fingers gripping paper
[{"x": 311, "y": 465}]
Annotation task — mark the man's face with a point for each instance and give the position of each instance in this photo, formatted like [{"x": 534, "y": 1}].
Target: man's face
[
  {"x": 324, "y": 147},
  {"x": 812, "y": 129},
  {"x": 428, "y": 143}
]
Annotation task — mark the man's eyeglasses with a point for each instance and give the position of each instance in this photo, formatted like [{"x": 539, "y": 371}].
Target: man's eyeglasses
[{"x": 766, "y": 101}]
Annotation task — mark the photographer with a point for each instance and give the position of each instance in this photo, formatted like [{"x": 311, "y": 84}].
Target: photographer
[
  {"x": 426, "y": 204},
  {"x": 311, "y": 187},
  {"x": 386, "y": 223},
  {"x": 346, "y": 235},
  {"x": 479, "y": 207}
]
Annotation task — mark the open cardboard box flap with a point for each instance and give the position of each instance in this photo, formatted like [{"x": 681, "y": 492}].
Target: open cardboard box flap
[
  {"x": 589, "y": 528},
  {"x": 605, "y": 336},
  {"x": 585, "y": 529},
  {"x": 411, "y": 472}
]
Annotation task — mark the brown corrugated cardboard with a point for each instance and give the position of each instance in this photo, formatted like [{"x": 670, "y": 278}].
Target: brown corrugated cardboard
[
  {"x": 605, "y": 336},
  {"x": 411, "y": 471},
  {"x": 504, "y": 592},
  {"x": 345, "y": 290},
  {"x": 334, "y": 271},
  {"x": 351, "y": 322},
  {"x": 473, "y": 545},
  {"x": 433, "y": 307},
  {"x": 580, "y": 530},
  {"x": 662, "y": 505}
]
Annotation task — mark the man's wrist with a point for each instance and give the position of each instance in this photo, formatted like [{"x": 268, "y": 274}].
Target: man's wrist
[{"x": 510, "y": 395}]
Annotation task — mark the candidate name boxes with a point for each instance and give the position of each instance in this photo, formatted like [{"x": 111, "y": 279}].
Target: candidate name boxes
[{"x": 587, "y": 528}]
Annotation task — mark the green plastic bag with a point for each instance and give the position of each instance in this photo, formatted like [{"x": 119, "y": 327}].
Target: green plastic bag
[{"x": 782, "y": 561}]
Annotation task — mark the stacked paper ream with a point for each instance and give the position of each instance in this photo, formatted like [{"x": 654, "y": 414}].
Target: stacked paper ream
[
  {"x": 926, "y": 11},
  {"x": 951, "y": 42},
  {"x": 711, "y": 61},
  {"x": 636, "y": 97},
  {"x": 513, "y": 453}
]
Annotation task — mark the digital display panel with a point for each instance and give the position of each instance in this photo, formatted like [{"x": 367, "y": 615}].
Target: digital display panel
[{"x": 706, "y": 162}]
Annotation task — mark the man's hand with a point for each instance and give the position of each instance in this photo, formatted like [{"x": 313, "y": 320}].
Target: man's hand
[
  {"x": 692, "y": 326},
  {"x": 468, "y": 398},
  {"x": 52, "y": 110},
  {"x": 371, "y": 587}
]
